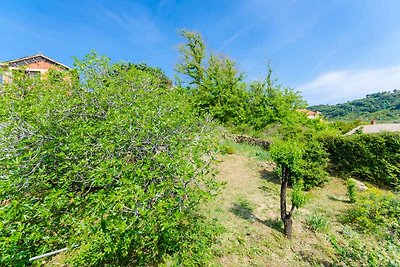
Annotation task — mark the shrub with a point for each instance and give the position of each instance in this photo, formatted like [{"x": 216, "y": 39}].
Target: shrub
[
  {"x": 111, "y": 166},
  {"x": 299, "y": 197},
  {"x": 314, "y": 164},
  {"x": 351, "y": 190},
  {"x": 226, "y": 149},
  {"x": 372, "y": 157},
  {"x": 318, "y": 223},
  {"x": 376, "y": 212}
]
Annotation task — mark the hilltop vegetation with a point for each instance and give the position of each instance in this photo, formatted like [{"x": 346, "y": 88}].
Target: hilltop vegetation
[{"x": 384, "y": 106}]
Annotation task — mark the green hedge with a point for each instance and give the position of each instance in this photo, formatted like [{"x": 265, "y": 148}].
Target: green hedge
[{"x": 370, "y": 157}]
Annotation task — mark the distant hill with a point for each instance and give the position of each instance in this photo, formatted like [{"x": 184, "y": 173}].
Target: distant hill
[{"x": 383, "y": 107}]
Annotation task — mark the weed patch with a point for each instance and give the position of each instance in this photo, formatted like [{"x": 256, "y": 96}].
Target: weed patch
[{"x": 317, "y": 223}]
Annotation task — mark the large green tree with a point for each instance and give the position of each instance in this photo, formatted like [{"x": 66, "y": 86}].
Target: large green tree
[
  {"x": 213, "y": 81},
  {"x": 218, "y": 88}
]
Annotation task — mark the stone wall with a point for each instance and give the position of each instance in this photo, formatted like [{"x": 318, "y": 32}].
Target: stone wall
[{"x": 250, "y": 140}]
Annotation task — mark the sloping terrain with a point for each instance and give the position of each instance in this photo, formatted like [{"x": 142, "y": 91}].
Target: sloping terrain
[{"x": 248, "y": 208}]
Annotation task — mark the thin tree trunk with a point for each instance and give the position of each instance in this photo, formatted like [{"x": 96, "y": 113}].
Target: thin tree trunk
[
  {"x": 286, "y": 217},
  {"x": 284, "y": 183}
]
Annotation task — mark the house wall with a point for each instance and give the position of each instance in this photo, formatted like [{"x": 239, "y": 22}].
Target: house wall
[{"x": 42, "y": 65}]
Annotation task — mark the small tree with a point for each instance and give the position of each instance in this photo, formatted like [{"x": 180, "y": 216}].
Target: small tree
[{"x": 288, "y": 156}]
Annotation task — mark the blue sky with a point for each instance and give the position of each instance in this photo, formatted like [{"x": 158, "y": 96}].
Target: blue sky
[{"x": 332, "y": 51}]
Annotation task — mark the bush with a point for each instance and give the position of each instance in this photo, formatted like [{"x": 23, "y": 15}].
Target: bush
[
  {"x": 226, "y": 149},
  {"x": 314, "y": 165},
  {"x": 112, "y": 165},
  {"x": 376, "y": 212},
  {"x": 372, "y": 157},
  {"x": 318, "y": 223},
  {"x": 351, "y": 190},
  {"x": 299, "y": 197},
  {"x": 345, "y": 126}
]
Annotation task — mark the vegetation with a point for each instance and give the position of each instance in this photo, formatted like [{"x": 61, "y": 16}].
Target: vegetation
[
  {"x": 230, "y": 147},
  {"x": 217, "y": 88},
  {"x": 375, "y": 215},
  {"x": 110, "y": 166},
  {"x": 249, "y": 209},
  {"x": 355, "y": 249},
  {"x": 351, "y": 190},
  {"x": 371, "y": 157},
  {"x": 113, "y": 162},
  {"x": 318, "y": 223},
  {"x": 384, "y": 106},
  {"x": 287, "y": 157}
]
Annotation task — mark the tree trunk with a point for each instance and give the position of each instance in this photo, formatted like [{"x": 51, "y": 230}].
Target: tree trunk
[
  {"x": 286, "y": 217},
  {"x": 284, "y": 183},
  {"x": 288, "y": 226}
]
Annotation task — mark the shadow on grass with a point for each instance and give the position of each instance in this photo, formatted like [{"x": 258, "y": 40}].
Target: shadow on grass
[
  {"x": 269, "y": 176},
  {"x": 273, "y": 223},
  {"x": 334, "y": 198},
  {"x": 245, "y": 211}
]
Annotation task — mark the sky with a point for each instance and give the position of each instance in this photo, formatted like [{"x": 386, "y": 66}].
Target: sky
[{"x": 332, "y": 51}]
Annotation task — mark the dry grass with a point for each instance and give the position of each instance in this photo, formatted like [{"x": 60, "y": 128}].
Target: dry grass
[{"x": 248, "y": 207}]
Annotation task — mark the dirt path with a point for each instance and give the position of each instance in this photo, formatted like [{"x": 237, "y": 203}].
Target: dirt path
[{"x": 243, "y": 177}]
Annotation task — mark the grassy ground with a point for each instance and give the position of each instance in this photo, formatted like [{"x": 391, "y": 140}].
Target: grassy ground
[{"x": 248, "y": 208}]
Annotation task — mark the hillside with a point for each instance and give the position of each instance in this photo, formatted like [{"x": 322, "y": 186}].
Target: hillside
[
  {"x": 248, "y": 210},
  {"x": 384, "y": 106}
]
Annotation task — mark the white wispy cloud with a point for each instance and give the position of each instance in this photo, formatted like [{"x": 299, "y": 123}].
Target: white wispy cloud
[
  {"x": 344, "y": 85},
  {"x": 292, "y": 36},
  {"x": 240, "y": 31},
  {"x": 9, "y": 22},
  {"x": 325, "y": 58},
  {"x": 139, "y": 26}
]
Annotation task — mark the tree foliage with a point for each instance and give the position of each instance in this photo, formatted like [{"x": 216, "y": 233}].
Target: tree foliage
[
  {"x": 111, "y": 166},
  {"x": 287, "y": 156},
  {"x": 219, "y": 89},
  {"x": 302, "y": 165},
  {"x": 383, "y": 106}
]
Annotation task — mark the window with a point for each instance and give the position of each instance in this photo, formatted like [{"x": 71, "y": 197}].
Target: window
[{"x": 32, "y": 73}]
